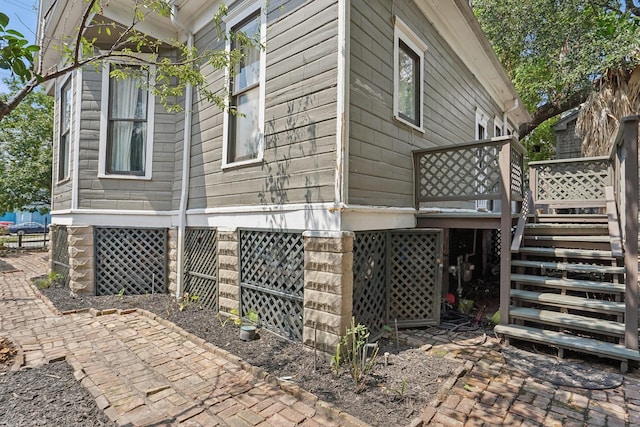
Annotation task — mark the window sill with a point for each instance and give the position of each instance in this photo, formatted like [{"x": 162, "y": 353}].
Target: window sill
[
  {"x": 241, "y": 164},
  {"x": 63, "y": 181},
  {"x": 130, "y": 177},
  {"x": 403, "y": 121}
]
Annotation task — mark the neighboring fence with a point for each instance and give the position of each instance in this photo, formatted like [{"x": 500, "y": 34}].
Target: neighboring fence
[
  {"x": 60, "y": 251},
  {"x": 201, "y": 265},
  {"x": 272, "y": 279},
  {"x": 397, "y": 277},
  {"x": 26, "y": 241},
  {"x": 130, "y": 259}
]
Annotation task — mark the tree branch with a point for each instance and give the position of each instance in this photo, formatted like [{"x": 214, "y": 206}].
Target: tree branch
[{"x": 552, "y": 109}]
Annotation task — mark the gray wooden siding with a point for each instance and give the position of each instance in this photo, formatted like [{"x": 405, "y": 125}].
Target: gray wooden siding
[
  {"x": 123, "y": 194},
  {"x": 300, "y": 114},
  {"x": 380, "y": 163},
  {"x": 61, "y": 191}
]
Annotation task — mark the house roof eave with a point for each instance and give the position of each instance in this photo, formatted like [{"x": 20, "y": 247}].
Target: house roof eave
[{"x": 472, "y": 46}]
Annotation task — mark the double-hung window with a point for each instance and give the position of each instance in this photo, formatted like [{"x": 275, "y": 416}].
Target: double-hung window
[
  {"x": 64, "y": 148},
  {"x": 244, "y": 122},
  {"x": 127, "y": 123},
  {"x": 408, "y": 93}
]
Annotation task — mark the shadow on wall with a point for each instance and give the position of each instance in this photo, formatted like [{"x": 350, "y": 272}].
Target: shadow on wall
[{"x": 282, "y": 148}]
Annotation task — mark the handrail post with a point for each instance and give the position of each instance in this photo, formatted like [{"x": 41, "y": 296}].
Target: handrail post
[
  {"x": 505, "y": 232},
  {"x": 630, "y": 177},
  {"x": 533, "y": 187}
]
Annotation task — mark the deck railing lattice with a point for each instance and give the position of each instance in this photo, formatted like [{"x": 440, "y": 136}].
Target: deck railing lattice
[
  {"x": 370, "y": 280},
  {"x": 133, "y": 259},
  {"x": 272, "y": 279},
  {"x": 470, "y": 171},
  {"x": 60, "y": 251},
  {"x": 201, "y": 265},
  {"x": 582, "y": 180}
]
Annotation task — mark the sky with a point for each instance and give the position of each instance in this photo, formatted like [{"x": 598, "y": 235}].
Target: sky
[{"x": 23, "y": 16}]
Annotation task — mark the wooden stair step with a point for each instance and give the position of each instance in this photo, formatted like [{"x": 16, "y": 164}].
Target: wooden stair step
[
  {"x": 556, "y": 229},
  {"x": 569, "y": 284},
  {"x": 571, "y": 218},
  {"x": 568, "y": 238},
  {"x": 567, "y": 253},
  {"x": 568, "y": 301},
  {"x": 567, "y": 266},
  {"x": 570, "y": 321},
  {"x": 567, "y": 341}
]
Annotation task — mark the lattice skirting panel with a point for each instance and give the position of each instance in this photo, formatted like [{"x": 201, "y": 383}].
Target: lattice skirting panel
[
  {"x": 415, "y": 277},
  {"x": 370, "y": 280},
  {"x": 272, "y": 279},
  {"x": 60, "y": 251},
  {"x": 397, "y": 277},
  {"x": 201, "y": 265},
  {"x": 133, "y": 259}
]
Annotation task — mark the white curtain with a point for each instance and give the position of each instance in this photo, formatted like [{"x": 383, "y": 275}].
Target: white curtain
[{"x": 128, "y": 138}]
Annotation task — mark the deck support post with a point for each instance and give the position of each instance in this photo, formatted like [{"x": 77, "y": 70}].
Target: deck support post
[
  {"x": 630, "y": 168},
  {"x": 505, "y": 232}
]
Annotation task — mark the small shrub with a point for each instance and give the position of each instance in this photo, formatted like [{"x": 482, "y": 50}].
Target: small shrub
[
  {"x": 352, "y": 351},
  {"x": 52, "y": 278},
  {"x": 187, "y": 300}
]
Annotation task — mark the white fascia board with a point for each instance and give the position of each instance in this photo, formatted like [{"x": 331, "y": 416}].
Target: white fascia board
[
  {"x": 317, "y": 216},
  {"x": 455, "y": 22},
  {"x": 107, "y": 218},
  {"x": 363, "y": 218}
]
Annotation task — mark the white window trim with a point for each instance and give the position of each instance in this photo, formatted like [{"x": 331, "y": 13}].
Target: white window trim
[
  {"x": 497, "y": 123},
  {"x": 481, "y": 119},
  {"x": 231, "y": 20},
  {"x": 402, "y": 31},
  {"x": 59, "y": 128},
  {"x": 104, "y": 125}
]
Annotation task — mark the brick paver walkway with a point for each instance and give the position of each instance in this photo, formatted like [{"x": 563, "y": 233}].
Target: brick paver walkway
[
  {"x": 494, "y": 393},
  {"x": 143, "y": 370}
]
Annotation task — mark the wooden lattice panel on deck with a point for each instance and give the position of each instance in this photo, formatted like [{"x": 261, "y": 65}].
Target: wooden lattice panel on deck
[
  {"x": 133, "y": 259},
  {"x": 414, "y": 264},
  {"x": 201, "y": 265},
  {"x": 370, "y": 279},
  {"x": 584, "y": 180},
  {"x": 465, "y": 172},
  {"x": 272, "y": 279}
]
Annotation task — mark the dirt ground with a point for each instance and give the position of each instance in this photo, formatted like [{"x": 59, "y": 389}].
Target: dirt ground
[{"x": 393, "y": 393}]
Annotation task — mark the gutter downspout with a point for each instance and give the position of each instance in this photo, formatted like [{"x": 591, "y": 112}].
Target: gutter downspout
[
  {"x": 505, "y": 115},
  {"x": 186, "y": 163}
]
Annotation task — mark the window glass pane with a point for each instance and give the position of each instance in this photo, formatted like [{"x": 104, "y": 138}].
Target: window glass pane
[
  {"x": 126, "y": 144},
  {"x": 63, "y": 161},
  {"x": 127, "y": 148},
  {"x": 481, "y": 131},
  {"x": 248, "y": 70},
  {"x": 247, "y": 130},
  {"x": 66, "y": 108},
  {"x": 408, "y": 88}
]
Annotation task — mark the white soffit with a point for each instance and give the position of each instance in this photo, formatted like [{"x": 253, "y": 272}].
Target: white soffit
[{"x": 455, "y": 22}]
